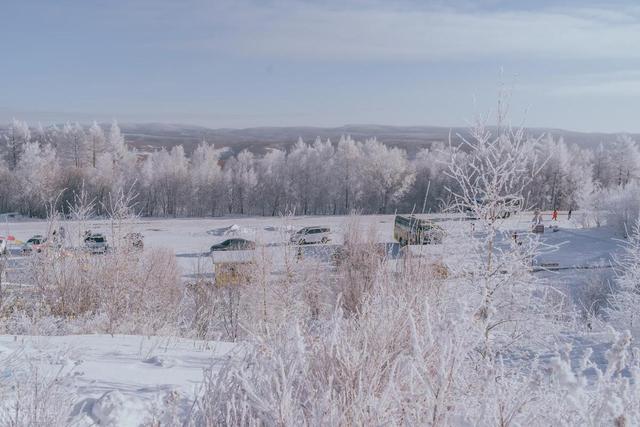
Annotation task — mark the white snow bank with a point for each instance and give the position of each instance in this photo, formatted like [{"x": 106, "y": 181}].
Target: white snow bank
[
  {"x": 115, "y": 409},
  {"x": 114, "y": 381},
  {"x": 232, "y": 230}
]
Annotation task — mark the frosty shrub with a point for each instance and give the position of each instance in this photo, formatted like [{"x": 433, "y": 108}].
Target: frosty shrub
[
  {"x": 129, "y": 292},
  {"x": 204, "y": 299},
  {"x": 31, "y": 395},
  {"x": 412, "y": 354},
  {"x": 351, "y": 370},
  {"x": 624, "y": 301},
  {"x": 358, "y": 262},
  {"x": 622, "y": 207},
  {"x": 594, "y": 297},
  {"x": 490, "y": 177}
]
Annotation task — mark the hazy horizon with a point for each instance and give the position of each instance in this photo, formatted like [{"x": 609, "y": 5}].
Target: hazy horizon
[{"x": 245, "y": 63}]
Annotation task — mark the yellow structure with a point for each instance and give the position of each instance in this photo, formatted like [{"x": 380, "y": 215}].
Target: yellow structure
[{"x": 231, "y": 273}]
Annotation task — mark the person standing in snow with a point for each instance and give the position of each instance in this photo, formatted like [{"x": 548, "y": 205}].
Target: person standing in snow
[
  {"x": 554, "y": 215},
  {"x": 569, "y": 214}
]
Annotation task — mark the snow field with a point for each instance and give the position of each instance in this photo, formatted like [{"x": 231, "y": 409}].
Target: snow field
[{"x": 114, "y": 380}]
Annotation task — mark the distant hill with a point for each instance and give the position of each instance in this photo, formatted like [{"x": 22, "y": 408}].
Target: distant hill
[
  {"x": 411, "y": 138},
  {"x": 153, "y": 136}
]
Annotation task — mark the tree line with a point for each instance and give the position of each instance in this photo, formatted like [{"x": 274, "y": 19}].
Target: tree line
[{"x": 48, "y": 167}]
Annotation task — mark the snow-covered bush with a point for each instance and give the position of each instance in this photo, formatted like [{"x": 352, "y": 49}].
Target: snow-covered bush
[
  {"x": 511, "y": 304},
  {"x": 626, "y": 298},
  {"x": 122, "y": 292},
  {"x": 359, "y": 262},
  {"x": 594, "y": 296},
  {"x": 33, "y": 396},
  {"x": 622, "y": 207},
  {"x": 355, "y": 368}
]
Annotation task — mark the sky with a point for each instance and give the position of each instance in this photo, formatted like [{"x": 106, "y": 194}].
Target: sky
[{"x": 243, "y": 63}]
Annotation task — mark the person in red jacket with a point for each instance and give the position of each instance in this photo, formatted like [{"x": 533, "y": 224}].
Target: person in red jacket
[{"x": 554, "y": 215}]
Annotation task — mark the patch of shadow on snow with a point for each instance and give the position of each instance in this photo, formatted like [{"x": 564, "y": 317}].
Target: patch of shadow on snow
[
  {"x": 160, "y": 361},
  {"x": 115, "y": 409},
  {"x": 286, "y": 228}
]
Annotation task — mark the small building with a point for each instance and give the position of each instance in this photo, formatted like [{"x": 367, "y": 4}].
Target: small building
[{"x": 232, "y": 267}]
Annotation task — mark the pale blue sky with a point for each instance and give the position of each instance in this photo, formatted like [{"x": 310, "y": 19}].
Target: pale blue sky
[{"x": 322, "y": 63}]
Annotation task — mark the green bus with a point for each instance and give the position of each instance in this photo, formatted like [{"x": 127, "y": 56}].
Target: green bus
[{"x": 409, "y": 230}]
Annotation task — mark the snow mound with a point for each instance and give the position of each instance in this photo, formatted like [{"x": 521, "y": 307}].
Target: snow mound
[
  {"x": 232, "y": 230},
  {"x": 113, "y": 380},
  {"x": 114, "y": 409},
  {"x": 160, "y": 361}
]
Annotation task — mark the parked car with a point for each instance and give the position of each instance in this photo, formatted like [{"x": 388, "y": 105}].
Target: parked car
[
  {"x": 311, "y": 235},
  {"x": 35, "y": 244},
  {"x": 134, "y": 240},
  {"x": 235, "y": 244},
  {"x": 96, "y": 243}
]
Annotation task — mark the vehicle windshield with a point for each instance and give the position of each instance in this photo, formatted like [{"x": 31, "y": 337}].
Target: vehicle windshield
[{"x": 96, "y": 239}]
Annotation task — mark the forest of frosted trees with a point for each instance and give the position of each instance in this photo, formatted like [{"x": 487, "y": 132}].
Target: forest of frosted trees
[{"x": 46, "y": 167}]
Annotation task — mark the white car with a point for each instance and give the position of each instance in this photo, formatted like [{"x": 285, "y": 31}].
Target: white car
[
  {"x": 311, "y": 235},
  {"x": 96, "y": 243}
]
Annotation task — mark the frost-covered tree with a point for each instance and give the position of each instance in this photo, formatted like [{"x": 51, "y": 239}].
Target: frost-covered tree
[
  {"x": 623, "y": 162},
  {"x": 348, "y": 169},
  {"x": 8, "y": 187},
  {"x": 171, "y": 179},
  {"x": 301, "y": 175},
  {"x": 273, "y": 182},
  {"x": 322, "y": 164},
  {"x": 16, "y": 138},
  {"x": 37, "y": 173},
  {"x": 241, "y": 180},
  {"x": 559, "y": 182},
  {"x": 206, "y": 179},
  {"x": 387, "y": 174},
  {"x": 428, "y": 192},
  {"x": 96, "y": 142},
  {"x": 116, "y": 168},
  {"x": 491, "y": 180},
  {"x": 73, "y": 147}
]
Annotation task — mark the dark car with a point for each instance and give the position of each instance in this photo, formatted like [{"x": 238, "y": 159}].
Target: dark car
[{"x": 234, "y": 245}]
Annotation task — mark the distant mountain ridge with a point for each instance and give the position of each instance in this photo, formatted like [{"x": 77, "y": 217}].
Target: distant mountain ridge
[
  {"x": 151, "y": 136},
  {"x": 154, "y": 136}
]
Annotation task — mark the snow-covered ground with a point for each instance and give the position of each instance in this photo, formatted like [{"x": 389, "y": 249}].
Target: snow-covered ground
[
  {"x": 192, "y": 238},
  {"x": 130, "y": 379},
  {"x": 114, "y": 380},
  {"x": 579, "y": 252}
]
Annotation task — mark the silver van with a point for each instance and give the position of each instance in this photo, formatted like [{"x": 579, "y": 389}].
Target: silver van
[{"x": 311, "y": 235}]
